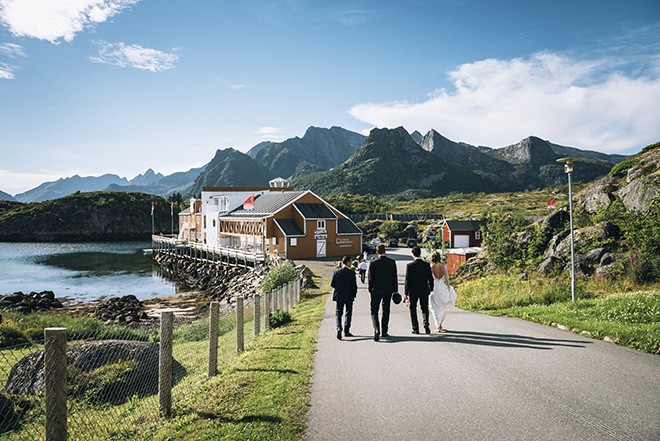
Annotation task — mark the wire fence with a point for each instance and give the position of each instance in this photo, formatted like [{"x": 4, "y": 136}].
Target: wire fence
[{"x": 110, "y": 386}]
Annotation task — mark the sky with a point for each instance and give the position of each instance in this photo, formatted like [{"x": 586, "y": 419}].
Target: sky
[{"x": 90, "y": 87}]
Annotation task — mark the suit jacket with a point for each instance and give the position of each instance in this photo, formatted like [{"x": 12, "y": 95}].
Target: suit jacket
[
  {"x": 419, "y": 278},
  {"x": 382, "y": 276},
  {"x": 343, "y": 281}
]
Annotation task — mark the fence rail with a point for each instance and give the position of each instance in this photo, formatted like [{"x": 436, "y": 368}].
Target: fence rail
[
  {"x": 203, "y": 252},
  {"x": 91, "y": 387},
  {"x": 397, "y": 217}
]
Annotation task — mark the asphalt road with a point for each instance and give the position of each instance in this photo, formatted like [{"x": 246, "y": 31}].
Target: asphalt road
[{"x": 489, "y": 378}]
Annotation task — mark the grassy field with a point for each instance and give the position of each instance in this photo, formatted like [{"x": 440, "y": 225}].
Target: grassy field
[
  {"x": 617, "y": 311},
  {"x": 463, "y": 206}
]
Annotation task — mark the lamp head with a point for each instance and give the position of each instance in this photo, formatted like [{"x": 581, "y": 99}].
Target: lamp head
[{"x": 568, "y": 163}]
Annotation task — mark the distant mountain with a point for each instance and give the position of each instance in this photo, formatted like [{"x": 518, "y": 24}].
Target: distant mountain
[
  {"x": 390, "y": 162},
  {"x": 179, "y": 182},
  {"x": 417, "y": 137},
  {"x": 66, "y": 186},
  {"x": 438, "y": 166},
  {"x": 320, "y": 148},
  {"x": 230, "y": 168},
  {"x": 535, "y": 163},
  {"x": 6, "y": 197},
  {"x": 147, "y": 178}
]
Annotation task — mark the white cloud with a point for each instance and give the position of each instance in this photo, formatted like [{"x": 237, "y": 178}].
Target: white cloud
[
  {"x": 12, "y": 50},
  {"x": 229, "y": 85},
  {"x": 52, "y": 20},
  {"x": 7, "y": 71},
  {"x": 143, "y": 58},
  {"x": 270, "y": 133},
  {"x": 589, "y": 104}
]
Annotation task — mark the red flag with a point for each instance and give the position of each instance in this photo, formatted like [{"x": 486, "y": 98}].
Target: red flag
[
  {"x": 152, "y": 208},
  {"x": 551, "y": 204},
  {"x": 248, "y": 204}
]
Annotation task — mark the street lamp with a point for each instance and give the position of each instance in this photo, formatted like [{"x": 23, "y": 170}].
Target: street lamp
[{"x": 568, "y": 168}]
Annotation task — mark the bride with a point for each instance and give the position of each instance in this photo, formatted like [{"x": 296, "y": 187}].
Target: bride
[{"x": 441, "y": 296}]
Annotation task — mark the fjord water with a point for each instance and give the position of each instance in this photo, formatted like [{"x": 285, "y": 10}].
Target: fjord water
[{"x": 82, "y": 271}]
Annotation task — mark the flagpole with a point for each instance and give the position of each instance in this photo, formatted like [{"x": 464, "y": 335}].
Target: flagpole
[
  {"x": 153, "y": 230},
  {"x": 172, "y": 216}
]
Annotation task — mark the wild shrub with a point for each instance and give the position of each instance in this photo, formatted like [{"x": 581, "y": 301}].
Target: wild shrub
[
  {"x": 279, "y": 318},
  {"x": 278, "y": 276},
  {"x": 499, "y": 236}
]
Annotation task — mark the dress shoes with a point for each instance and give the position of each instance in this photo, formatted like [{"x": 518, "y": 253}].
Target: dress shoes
[
  {"x": 338, "y": 335},
  {"x": 427, "y": 329},
  {"x": 376, "y": 336},
  {"x": 385, "y": 335},
  {"x": 348, "y": 334},
  {"x": 415, "y": 331}
]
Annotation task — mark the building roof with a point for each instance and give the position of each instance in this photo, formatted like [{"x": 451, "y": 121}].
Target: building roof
[
  {"x": 267, "y": 203},
  {"x": 315, "y": 211},
  {"x": 469, "y": 225},
  {"x": 289, "y": 227},
  {"x": 463, "y": 251},
  {"x": 346, "y": 226}
]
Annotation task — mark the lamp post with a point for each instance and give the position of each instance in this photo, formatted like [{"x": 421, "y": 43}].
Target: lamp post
[{"x": 568, "y": 168}]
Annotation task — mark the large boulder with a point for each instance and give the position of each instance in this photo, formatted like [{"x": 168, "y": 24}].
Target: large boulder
[
  {"x": 550, "y": 265},
  {"x": 560, "y": 245},
  {"x": 107, "y": 371},
  {"x": 599, "y": 195},
  {"x": 638, "y": 194}
]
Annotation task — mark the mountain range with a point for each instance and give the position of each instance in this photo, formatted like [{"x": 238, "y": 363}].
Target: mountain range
[{"x": 336, "y": 160}]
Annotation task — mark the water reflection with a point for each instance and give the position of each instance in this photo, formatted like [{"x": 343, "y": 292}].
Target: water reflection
[{"x": 83, "y": 271}]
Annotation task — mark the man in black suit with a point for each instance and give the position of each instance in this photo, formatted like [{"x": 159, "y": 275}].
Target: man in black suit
[
  {"x": 343, "y": 281},
  {"x": 419, "y": 284},
  {"x": 382, "y": 283}
]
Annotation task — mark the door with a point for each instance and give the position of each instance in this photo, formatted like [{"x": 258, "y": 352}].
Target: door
[
  {"x": 461, "y": 241},
  {"x": 320, "y": 248}
]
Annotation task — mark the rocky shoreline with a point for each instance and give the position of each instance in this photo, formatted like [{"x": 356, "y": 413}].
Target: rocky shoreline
[{"x": 209, "y": 282}]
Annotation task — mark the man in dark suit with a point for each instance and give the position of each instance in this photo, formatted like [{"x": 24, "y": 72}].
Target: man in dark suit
[
  {"x": 419, "y": 284},
  {"x": 382, "y": 283},
  {"x": 343, "y": 281}
]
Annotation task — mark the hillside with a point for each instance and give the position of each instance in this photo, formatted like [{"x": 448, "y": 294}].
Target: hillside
[
  {"x": 318, "y": 149},
  {"x": 230, "y": 168},
  {"x": 82, "y": 217},
  {"x": 390, "y": 162},
  {"x": 6, "y": 196}
]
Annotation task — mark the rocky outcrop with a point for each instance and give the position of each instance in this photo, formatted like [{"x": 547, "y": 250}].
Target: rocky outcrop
[
  {"x": 639, "y": 193},
  {"x": 599, "y": 195},
  {"x": 89, "y": 370},
  {"x": 560, "y": 244},
  {"x": 31, "y": 302},
  {"x": 126, "y": 310}
]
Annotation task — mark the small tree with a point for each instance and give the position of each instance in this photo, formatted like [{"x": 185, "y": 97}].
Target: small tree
[{"x": 499, "y": 238}]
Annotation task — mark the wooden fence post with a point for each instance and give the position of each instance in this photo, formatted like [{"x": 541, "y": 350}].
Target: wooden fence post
[
  {"x": 257, "y": 314},
  {"x": 165, "y": 364},
  {"x": 267, "y": 310},
  {"x": 239, "y": 324},
  {"x": 55, "y": 383},
  {"x": 214, "y": 312}
]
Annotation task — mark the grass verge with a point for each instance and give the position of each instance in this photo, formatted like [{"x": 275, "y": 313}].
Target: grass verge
[
  {"x": 261, "y": 394},
  {"x": 629, "y": 318}
]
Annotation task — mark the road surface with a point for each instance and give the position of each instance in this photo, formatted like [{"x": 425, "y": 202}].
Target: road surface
[{"x": 489, "y": 378}]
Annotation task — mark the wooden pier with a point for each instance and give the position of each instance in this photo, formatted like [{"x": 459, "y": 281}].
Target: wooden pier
[{"x": 204, "y": 253}]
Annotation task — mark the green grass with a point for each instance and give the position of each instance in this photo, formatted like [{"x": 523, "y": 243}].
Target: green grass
[
  {"x": 631, "y": 319},
  {"x": 625, "y": 313},
  {"x": 261, "y": 394}
]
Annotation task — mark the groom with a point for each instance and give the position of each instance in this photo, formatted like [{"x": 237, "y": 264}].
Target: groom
[
  {"x": 419, "y": 284},
  {"x": 383, "y": 283}
]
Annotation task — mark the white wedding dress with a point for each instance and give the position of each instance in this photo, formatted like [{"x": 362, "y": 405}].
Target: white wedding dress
[{"x": 440, "y": 298}]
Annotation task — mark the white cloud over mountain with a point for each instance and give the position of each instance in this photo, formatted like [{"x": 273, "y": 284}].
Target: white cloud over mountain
[
  {"x": 53, "y": 20},
  {"x": 138, "y": 57},
  {"x": 595, "y": 104}
]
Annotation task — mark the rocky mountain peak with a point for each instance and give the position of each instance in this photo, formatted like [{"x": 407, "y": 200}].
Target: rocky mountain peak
[
  {"x": 147, "y": 178},
  {"x": 531, "y": 150}
]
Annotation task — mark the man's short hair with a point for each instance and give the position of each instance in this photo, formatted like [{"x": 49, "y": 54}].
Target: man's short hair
[
  {"x": 346, "y": 260},
  {"x": 416, "y": 251},
  {"x": 380, "y": 249}
]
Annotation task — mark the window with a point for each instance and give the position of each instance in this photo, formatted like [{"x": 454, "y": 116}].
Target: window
[
  {"x": 320, "y": 225},
  {"x": 224, "y": 203},
  {"x": 293, "y": 241},
  {"x": 477, "y": 235},
  {"x": 213, "y": 223},
  {"x": 274, "y": 239},
  {"x": 204, "y": 221}
]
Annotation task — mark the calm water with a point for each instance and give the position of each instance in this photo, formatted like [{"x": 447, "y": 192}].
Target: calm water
[{"x": 82, "y": 271}]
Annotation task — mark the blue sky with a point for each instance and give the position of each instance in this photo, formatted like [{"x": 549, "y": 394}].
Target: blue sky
[{"x": 118, "y": 86}]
